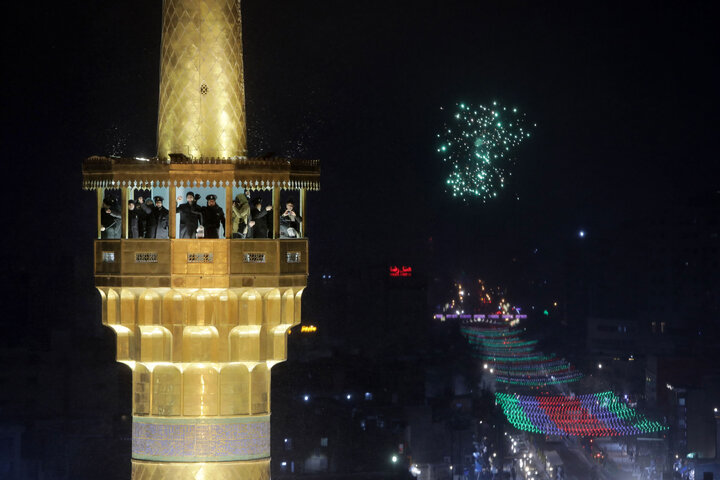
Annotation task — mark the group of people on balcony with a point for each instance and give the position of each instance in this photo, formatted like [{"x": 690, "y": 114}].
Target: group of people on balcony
[
  {"x": 151, "y": 220},
  {"x": 146, "y": 219},
  {"x": 251, "y": 220}
]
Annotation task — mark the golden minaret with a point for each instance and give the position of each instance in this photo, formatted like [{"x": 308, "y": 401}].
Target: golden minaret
[{"x": 202, "y": 321}]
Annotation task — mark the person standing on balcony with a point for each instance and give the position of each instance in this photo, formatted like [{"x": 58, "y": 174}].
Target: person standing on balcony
[
  {"x": 290, "y": 221},
  {"x": 110, "y": 220},
  {"x": 148, "y": 210},
  {"x": 240, "y": 215},
  {"x": 141, "y": 215},
  {"x": 190, "y": 216},
  {"x": 161, "y": 218},
  {"x": 258, "y": 224},
  {"x": 213, "y": 217},
  {"x": 133, "y": 220}
]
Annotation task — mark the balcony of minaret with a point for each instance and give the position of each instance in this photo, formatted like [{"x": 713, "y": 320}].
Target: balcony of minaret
[{"x": 201, "y": 321}]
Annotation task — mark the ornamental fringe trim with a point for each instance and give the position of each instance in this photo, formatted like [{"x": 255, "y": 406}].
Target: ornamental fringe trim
[{"x": 252, "y": 173}]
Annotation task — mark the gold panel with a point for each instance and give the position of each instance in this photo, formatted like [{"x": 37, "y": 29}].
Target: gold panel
[
  {"x": 167, "y": 391},
  {"x": 141, "y": 390},
  {"x": 235, "y": 390},
  {"x": 202, "y": 93},
  {"x": 200, "y": 391},
  {"x": 250, "y": 470}
]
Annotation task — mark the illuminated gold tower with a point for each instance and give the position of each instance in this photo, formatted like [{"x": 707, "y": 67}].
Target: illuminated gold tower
[
  {"x": 200, "y": 322},
  {"x": 202, "y": 94}
]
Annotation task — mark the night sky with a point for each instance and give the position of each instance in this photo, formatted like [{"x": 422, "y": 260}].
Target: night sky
[{"x": 625, "y": 95}]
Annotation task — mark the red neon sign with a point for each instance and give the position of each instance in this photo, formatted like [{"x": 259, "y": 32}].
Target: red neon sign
[{"x": 403, "y": 271}]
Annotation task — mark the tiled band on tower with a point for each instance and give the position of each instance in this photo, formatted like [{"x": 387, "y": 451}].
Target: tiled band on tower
[{"x": 201, "y": 322}]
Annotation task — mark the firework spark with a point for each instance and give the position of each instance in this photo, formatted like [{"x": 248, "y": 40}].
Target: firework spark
[{"x": 477, "y": 142}]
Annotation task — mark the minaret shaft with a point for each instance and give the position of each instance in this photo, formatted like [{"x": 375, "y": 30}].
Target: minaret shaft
[{"x": 202, "y": 92}]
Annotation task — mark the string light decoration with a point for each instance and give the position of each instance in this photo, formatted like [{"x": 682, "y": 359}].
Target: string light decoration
[
  {"x": 538, "y": 380},
  {"x": 491, "y": 333},
  {"x": 477, "y": 143},
  {"x": 514, "y": 362},
  {"x": 594, "y": 415}
]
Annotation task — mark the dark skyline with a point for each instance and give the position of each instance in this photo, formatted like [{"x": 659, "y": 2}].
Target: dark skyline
[{"x": 624, "y": 97}]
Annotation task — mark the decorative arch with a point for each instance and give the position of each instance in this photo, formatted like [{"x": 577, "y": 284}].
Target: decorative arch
[
  {"x": 227, "y": 308},
  {"x": 128, "y": 307},
  {"x": 250, "y": 308},
  {"x": 154, "y": 343},
  {"x": 272, "y": 307},
  {"x": 125, "y": 341},
  {"x": 200, "y": 344},
  {"x": 149, "y": 308},
  {"x": 247, "y": 344},
  {"x": 201, "y": 308},
  {"x": 288, "y": 306},
  {"x": 298, "y": 307},
  {"x": 112, "y": 312}
]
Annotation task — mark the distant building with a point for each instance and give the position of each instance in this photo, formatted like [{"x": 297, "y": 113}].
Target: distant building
[{"x": 685, "y": 390}]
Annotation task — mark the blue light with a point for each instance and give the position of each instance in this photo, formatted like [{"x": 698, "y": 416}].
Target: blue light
[{"x": 581, "y": 234}]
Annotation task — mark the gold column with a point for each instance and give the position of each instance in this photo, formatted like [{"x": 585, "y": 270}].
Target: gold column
[
  {"x": 124, "y": 211},
  {"x": 172, "y": 208},
  {"x": 276, "y": 211},
  {"x": 303, "y": 212},
  {"x": 202, "y": 93},
  {"x": 100, "y": 195},
  {"x": 228, "y": 211}
]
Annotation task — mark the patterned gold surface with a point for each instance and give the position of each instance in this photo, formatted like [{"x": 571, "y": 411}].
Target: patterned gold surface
[
  {"x": 251, "y": 470},
  {"x": 202, "y": 93},
  {"x": 200, "y": 357}
]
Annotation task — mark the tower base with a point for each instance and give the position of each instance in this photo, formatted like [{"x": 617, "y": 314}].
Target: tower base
[{"x": 250, "y": 470}]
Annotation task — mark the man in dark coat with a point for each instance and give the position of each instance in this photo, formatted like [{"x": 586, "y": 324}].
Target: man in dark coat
[
  {"x": 213, "y": 216},
  {"x": 141, "y": 216},
  {"x": 290, "y": 221},
  {"x": 190, "y": 217},
  {"x": 110, "y": 220},
  {"x": 148, "y": 210},
  {"x": 161, "y": 219},
  {"x": 258, "y": 224},
  {"x": 133, "y": 220}
]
